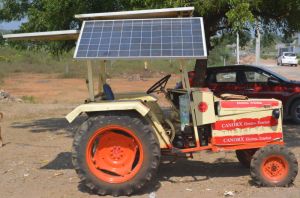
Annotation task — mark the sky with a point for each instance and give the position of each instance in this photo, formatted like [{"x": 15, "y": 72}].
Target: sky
[{"x": 14, "y": 25}]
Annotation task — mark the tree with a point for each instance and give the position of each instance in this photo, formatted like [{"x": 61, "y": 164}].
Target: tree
[
  {"x": 239, "y": 16},
  {"x": 50, "y": 15},
  {"x": 219, "y": 15},
  {"x": 268, "y": 40}
]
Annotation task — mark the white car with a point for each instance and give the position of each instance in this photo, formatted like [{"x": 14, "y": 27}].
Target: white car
[{"x": 287, "y": 58}]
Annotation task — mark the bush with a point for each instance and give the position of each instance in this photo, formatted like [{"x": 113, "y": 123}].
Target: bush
[
  {"x": 32, "y": 61},
  {"x": 29, "y": 99}
]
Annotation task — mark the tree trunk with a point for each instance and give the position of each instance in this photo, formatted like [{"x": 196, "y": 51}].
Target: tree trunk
[{"x": 200, "y": 73}]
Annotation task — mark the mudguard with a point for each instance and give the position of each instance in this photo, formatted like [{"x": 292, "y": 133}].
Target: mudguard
[{"x": 108, "y": 106}]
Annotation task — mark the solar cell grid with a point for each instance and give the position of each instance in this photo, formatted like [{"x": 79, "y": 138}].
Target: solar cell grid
[{"x": 140, "y": 39}]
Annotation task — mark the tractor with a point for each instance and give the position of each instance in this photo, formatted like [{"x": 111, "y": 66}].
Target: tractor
[{"x": 117, "y": 149}]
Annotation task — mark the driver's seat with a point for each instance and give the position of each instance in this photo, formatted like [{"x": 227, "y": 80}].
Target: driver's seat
[{"x": 108, "y": 93}]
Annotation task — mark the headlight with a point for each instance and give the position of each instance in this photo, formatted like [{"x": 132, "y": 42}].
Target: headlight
[{"x": 276, "y": 113}]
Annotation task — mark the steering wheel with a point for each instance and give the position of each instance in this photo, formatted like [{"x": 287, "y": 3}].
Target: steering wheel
[{"x": 161, "y": 84}]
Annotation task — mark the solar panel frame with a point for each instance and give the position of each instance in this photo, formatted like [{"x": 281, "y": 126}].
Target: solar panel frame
[{"x": 133, "y": 55}]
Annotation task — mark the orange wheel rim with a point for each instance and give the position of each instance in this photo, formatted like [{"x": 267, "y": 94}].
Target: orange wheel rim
[
  {"x": 275, "y": 168},
  {"x": 114, "y": 154}
]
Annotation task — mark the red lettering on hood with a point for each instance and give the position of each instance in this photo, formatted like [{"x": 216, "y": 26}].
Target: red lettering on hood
[
  {"x": 249, "y": 104},
  {"x": 231, "y": 140},
  {"x": 245, "y": 123}
]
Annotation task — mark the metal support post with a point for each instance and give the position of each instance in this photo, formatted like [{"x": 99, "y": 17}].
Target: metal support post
[
  {"x": 102, "y": 77},
  {"x": 90, "y": 81},
  {"x": 186, "y": 84}
]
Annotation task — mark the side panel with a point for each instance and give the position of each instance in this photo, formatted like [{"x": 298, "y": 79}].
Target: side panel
[
  {"x": 232, "y": 107},
  {"x": 253, "y": 127},
  {"x": 204, "y": 107}
]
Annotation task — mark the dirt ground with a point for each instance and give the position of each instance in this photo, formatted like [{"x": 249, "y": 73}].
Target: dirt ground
[{"x": 36, "y": 160}]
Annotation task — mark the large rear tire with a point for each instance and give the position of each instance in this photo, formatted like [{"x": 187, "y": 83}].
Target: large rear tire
[
  {"x": 295, "y": 112},
  {"x": 245, "y": 156},
  {"x": 274, "y": 165},
  {"x": 115, "y": 153}
]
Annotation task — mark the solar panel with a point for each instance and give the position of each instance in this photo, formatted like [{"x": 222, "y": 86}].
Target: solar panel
[{"x": 142, "y": 39}]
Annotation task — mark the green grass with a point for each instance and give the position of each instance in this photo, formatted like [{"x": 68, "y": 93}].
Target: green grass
[
  {"x": 29, "y": 99},
  {"x": 16, "y": 61},
  {"x": 28, "y": 61}
]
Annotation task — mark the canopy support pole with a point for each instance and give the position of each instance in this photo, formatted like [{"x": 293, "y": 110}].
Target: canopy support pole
[
  {"x": 186, "y": 84},
  {"x": 90, "y": 81},
  {"x": 102, "y": 77}
]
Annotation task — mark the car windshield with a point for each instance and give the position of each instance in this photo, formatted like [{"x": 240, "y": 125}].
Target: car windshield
[
  {"x": 289, "y": 54},
  {"x": 274, "y": 73}
]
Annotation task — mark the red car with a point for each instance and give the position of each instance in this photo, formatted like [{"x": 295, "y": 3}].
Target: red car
[{"x": 255, "y": 82}]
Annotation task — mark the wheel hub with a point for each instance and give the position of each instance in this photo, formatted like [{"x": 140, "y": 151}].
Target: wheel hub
[
  {"x": 275, "y": 168},
  {"x": 114, "y": 154}
]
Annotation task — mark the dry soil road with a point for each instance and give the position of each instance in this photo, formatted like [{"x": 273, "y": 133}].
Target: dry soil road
[{"x": 36, "y": 160}]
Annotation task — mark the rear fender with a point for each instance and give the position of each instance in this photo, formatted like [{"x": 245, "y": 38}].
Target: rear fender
[
  {"x": 138, "y": 106},
  {"x": 108, "y": 106}
]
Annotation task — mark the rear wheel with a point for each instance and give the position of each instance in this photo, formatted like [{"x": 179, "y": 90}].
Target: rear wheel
[
  {"x": 115, "y": 153},
  {"x": 295, "y": 112},
  {"x": 274, "y": 165},
  {"x": 245, "y": 156}
]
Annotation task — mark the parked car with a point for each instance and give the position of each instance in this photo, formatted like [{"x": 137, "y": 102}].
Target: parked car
[
  {"x": 255, "y": 82},
  {"x": 287, "y": 58}
]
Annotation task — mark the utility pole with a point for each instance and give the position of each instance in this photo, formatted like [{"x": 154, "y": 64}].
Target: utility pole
[
  {"x": 237, "y": 48},
  {"x": 257, "y": 44}
]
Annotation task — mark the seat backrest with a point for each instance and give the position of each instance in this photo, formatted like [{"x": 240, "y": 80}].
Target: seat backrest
[{"x": 108, "y": 93}]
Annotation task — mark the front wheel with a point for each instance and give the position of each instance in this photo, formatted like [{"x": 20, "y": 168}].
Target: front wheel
[
  {"x": 115, "y": 153},
  {"x": 274, "y": 165}
]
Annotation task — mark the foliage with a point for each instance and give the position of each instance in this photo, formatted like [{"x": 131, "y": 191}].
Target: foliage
[
  {"x": 29, "y": 99},
  {"x": 219, "y": 15},
  {"x": 1, "y": 40},
  {"x": 229, "y": 37},
  {"x": 239, "y": 15},
  {"x": 268, "y": 40},
  {"x": 49, "y": 15},
  {"x": 219, "y": 53}
]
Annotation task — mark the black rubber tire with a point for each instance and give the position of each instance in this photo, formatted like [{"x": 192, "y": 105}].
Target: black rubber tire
[
  {"x": 271, "y": 150},
  {"x": 295, "y": 118},
  {"x": 245, "y": 156},
  {"x": 143, "y": 132}
]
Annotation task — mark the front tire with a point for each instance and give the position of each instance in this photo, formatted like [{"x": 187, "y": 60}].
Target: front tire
[
  {"x": 274, "y": 165},
  {"x": 115, "y": 153}
]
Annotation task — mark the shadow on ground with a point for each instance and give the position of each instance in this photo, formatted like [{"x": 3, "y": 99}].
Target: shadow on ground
[
  {"x": 291, "y": 134},
  {"x": 54, "y": 125},
  {"x": 62, "y": 161}
]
